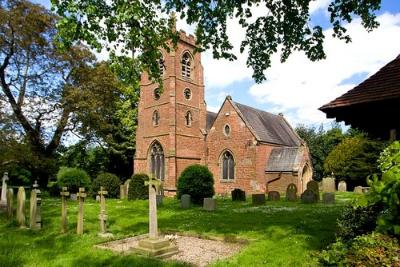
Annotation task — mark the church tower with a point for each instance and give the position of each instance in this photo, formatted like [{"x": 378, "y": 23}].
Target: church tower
[{"x": 171, "y": 123}]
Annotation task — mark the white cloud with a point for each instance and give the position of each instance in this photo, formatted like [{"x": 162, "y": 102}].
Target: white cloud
[{"x": 317, "y": 5}]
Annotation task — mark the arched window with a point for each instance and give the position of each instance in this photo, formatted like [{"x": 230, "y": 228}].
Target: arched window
[
  {"x": 157, "y": 93},
  {"x": 186, "y": 64},
  {"x": 157, "y": 161},
  {"x": 228, "y": 166},
  {"x": 161, "y": 63},
  {"x": 156, "y": 118},
  {"x": 187, "y": 93},
  {"x": 188, "y": 118}
]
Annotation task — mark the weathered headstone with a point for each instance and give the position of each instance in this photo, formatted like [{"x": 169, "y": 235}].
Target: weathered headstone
[
  {"x": 328, "y": 185},
  {"x": 122, "y": 192},
  {"x": 10, "y": 202},
  {"x": 81, "y": 198},
  {"x": 309, "y": 196},
  {"x": 21, "y": 207},
  {"x": 73, "y": 196},
  {"x": 313, "y": 185},
  {"x": 238, "y": 195},
  {"x": 185, "y": 201},
  {"x": 155, "y": 246},
  {"x": 358, "y": 190},
  {"x": 159, "y": 199},
  {"x": 209, "y": 204},
  {"x": 342, "y": 186},
  {"x": 258, "y": 199},
  {"x": 97, "y": 198},
  {"x": 35, "y": 208},
  {"x": 103, "y": 215},
  {"x": 328, "y": 198},
  {"x": 3, "y": 200},
  {"x": 274, "y": 196},
  {"x": 291, "y": 192},
  {"x": 64, "y": 219}
]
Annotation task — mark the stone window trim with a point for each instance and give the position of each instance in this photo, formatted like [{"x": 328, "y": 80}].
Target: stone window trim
[
  {"x": 155, "y": 118},
  {"x": 187, "y": 93},
  {"x": 227, "y": 130},
  {"x": 227, "y": 165},
  {"x": 187, "y": 65},
  {"x": 157, "y": 160},
  {"x": 188, "y": 119}
]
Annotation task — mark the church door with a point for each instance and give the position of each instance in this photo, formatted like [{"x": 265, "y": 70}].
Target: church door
[{"x": 157, "y": 161}]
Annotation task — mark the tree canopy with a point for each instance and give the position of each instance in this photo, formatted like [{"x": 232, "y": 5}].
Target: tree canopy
[{"x": 145, "y": 26}]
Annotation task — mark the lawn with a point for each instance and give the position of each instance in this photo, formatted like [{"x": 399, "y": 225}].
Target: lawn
[{"x": 278, "y": 234}]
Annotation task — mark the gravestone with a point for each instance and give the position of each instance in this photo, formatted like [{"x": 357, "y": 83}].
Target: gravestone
[
  {"x": 358, "y": 190},
  {"x": 64, "y": 219},
  {"x": 342, "y": 186},
  {"x": 73, "y": 196},
  {"x": 21, "y": 207},
  {"x": 81, "y": 198},
  {"x": 313, "y": 185},
  {"x": 102, "y": 215},
  {"x": 258, "y": 199},
  {"x": 35, "y": 208},
  {"x": 185, "y": 201},
  {"x": 209, "y": 204},
  {"x": 155, "y": 246},
  {"x": 328, "y": 185},
  {"x": 274, "y": 196},
  {"x": 291, "y": 192},
  {"x": 3, "y": 199},
  {"x": 309, "y": 196},
  {"x": 159, "y": 199},
  {"x": 10, "y": 202},
  {"x": 97, "y": 198},
  {"x": 328, "y": 198},
  {"x": 122, "y": 192},
  {"x": 238, "y": 195}
]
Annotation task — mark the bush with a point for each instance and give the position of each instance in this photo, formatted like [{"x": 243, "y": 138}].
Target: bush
[
  {"x": 137, "y": 189},
  {"x": 367, "y": 250},
  {"x": 73, "y": 178},
  {"x": 109, "y": 181},
  {"x": 197, "y": 181}
]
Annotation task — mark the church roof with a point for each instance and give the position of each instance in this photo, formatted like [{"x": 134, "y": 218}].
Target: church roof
[
  {"x": 211, "y": 116},
  {"x": 268, "y": 127},
  {"x": 285, "y": 159}
]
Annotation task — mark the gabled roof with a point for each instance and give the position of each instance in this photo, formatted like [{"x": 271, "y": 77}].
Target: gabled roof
[
  {"x": 268, "y": 127},
  {"x": 285, "y": 159},
  {"x": 210, "y": 118},
  {"x": 383, "y": 85}
]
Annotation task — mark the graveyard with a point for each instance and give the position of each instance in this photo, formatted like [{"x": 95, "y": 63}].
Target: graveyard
[{"x": 273, "y": 233}]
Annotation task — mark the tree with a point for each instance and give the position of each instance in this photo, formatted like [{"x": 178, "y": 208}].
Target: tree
[{"x": 142, "y": 26}]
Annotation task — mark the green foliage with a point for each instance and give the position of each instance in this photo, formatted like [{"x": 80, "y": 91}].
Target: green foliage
[
  {"x": 197, "y": 181},
  {"x": 110, "y": 182},
  {"x": 385, "y": 189},
  {"x": 137, "y": 189},
  {"x": 354, "y": 159},
  {"x": 366, "y": 250},
  {"x": 73, "y": 178}
]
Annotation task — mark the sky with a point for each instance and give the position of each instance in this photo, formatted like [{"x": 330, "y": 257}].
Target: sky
[{"x": 298, "y": 87}]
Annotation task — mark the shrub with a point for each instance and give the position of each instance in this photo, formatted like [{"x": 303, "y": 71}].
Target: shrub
[
  {"x": 109, "y": 181},
  {"x": 73, "y": 178},
  {"x": 137, "y": 189},
  {"x": 197, "y": 181},
  {"x": 366, "y": 250}
]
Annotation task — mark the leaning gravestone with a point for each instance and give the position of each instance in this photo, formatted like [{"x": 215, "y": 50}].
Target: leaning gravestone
[
  {"x": 185, "y": 201},
  {"x": 358, "y": 190},
  {"x": 309, "y": 196},
  {"x": 209, "y": 204},
  {"x": 3, "y": 200},
  {"x": 313, "y": 185},
  {"x": 342, "y": 186},
  {"x": 238, "y": 195},
  {"x": 328, "y": 198},
  {"x": 10, "y": 201},
  {"x": 258, "y": 199},
  {"x": 35, "y": 208},
  {"x": 291, "y": 192},
  {"x": 81, "y": 198},
  {"x": 328, "y": 185},
  {"x": 21, "y": 207},
  {"x": 64, "y": 219},
  {"x": 274, "y": 196}
]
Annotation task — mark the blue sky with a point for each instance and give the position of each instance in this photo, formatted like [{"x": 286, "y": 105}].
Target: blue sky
[{"x": 298, "y": 87}]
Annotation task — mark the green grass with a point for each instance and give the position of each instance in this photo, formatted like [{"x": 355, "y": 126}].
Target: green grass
[{"x": 279, "y": 233}]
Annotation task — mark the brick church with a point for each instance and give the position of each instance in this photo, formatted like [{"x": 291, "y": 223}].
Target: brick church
[{"x": 243, "y": 147}]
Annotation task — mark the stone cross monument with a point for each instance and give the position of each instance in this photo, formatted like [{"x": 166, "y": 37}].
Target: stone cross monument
[
  {"x": 102, "y": 215},
  {"x": 81, "y": 198},
  {"x": 3, "y": 201},
  {"x": 21, "y": 207},
  {"x": 154, "y": 187},
  {"x": 64, "y": 220},
  {"x": 36, "y": 201}
]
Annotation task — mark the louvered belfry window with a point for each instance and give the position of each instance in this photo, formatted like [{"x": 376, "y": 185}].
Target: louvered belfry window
[
  {"x": 186, "y": 64},
  {"x": 157, "y": 161},
  {"x": 228, "y": 166}
]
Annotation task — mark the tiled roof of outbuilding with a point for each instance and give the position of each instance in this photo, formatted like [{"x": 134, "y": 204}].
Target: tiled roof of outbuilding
[
  {"x": 285, "y": 159},
  {"x": 211, "y": 116}
]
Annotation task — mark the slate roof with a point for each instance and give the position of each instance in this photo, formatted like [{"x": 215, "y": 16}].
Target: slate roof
[
  {"x": 383, "y": 85},
  {"x": 211, "y": 116},
  {"x": 268, "y": 127},
  {"x": 285, "y": 159}
]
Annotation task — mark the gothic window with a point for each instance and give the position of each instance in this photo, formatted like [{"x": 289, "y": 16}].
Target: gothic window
[
  {"x": 157, "y": 161},
  {"x": 227, "y": 130},
  {"x": 188, "y": 118},
  {"x": 228, "y": 166},
  {"x": 157, "y": 93},
  {"x": 186, "y": 65},
  {"x": 187, "y": 93},
  {"x": 161, "y": 63},
  {"x": 156, "y": 118}
]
